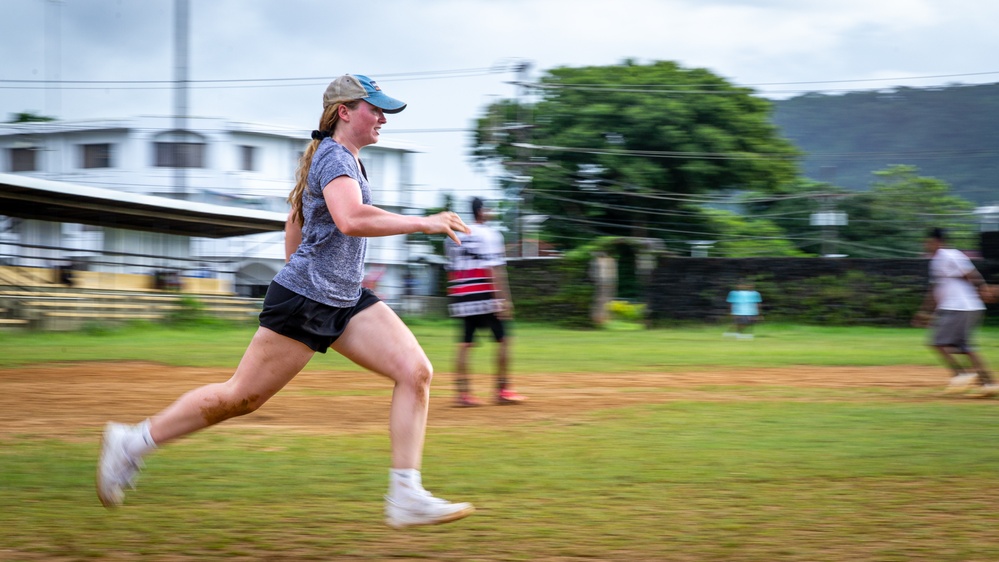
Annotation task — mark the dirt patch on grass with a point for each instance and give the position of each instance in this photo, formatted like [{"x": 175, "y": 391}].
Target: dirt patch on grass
[{"x": 69, "y": 400}]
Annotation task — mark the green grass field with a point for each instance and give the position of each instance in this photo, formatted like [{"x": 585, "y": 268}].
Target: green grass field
[
  {"x": 796, "y": 473},
  {"x": 538, "y": 348}
]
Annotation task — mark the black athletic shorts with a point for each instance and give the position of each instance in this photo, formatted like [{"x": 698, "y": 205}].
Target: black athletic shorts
[
  {"x": 315, "y": 324},
  {"x": 490, "y": 320}
]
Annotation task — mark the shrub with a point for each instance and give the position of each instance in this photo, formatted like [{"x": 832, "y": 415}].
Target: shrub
[{"x": 626, "y": 311}]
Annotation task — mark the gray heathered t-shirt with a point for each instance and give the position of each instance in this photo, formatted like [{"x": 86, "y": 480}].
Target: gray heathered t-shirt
[{"x": 328, "y": 266}]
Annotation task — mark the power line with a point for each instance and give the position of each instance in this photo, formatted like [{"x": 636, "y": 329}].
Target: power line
[
  {"x": 732, "y": 88},
  {"x": 796, "y": 83},
  {"x": 242, "y": 82},
  {"x": 927, "y": 77},
  {"x": 722, "y": 237},
  {"x": 657, "y": 153},
  {"x": 757, "y": 155},
  {"x": 550, "y": 195}
]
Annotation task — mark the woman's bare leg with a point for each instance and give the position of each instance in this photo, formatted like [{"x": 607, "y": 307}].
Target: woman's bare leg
[
  {"x": 378, "y": 340},
  {"x": 270, "y": 362}
]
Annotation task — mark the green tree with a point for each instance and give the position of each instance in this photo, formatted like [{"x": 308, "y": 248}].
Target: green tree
[
  {"x": 738, "y": 236},
  {"x": 901, "y": 206},
  {"x": 631, "y": 149},
  {"x": 792, "y": 210},
  {"x": 29, "y": 117},
  {"x": 889, "y": 220}
]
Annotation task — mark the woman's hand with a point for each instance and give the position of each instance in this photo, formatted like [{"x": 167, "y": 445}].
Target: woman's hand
[{"x": 446, "y": 222}]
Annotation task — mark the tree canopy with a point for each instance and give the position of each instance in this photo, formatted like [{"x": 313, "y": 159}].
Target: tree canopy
[
  {"x": 890, "y": 219},
  {"x": 633, "y": 150},
  {"x": 29, "y": 117}
]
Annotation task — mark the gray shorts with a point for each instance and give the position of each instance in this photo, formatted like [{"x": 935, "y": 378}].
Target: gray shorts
[{"x": 953, "y": 328}]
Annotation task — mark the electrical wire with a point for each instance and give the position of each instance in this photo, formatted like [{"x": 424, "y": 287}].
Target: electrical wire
[
  {"x": 216, "y": 83},
  {"x": 728, "y": 88},
  {"x": 757, "y": 155}
]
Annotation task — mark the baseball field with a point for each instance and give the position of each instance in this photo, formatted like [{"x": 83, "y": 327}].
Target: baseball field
[{"x": 803, "y": 444}]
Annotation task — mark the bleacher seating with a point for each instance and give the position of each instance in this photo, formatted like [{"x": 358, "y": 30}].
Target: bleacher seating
[{"x": 35, "y": 298}]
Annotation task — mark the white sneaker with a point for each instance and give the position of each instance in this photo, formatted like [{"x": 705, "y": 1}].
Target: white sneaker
[
  {"x": 988, "y": 390},
  {"x": 422, "y": 508},
  {"x": 962, "y": 382},
  {"x": 115, "y": 469}
]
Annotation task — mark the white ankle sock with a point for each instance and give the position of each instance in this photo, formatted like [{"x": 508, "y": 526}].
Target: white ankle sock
[
  {"x": 404, "y": 481},
  {"x": 139, "y": 441}
]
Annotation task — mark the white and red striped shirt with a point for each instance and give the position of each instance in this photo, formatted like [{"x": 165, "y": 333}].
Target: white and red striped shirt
[{"x": 471, "y": 286}]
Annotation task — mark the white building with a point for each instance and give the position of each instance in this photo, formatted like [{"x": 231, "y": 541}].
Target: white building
[{"x": 211, "y": 161}]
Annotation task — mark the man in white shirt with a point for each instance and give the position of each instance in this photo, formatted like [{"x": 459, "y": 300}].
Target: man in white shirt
[
  {"x": 956, "y": 302},
  {"x": 480, "y": 297}
]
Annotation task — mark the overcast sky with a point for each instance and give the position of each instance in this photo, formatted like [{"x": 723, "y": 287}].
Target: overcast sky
[{"x": 450, "y": 58}]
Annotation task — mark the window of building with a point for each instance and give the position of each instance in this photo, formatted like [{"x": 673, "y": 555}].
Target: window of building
[
  {"x": 96, "y": 155},
  {"x": 23, "y": 159},
  {"x": 248, "y": 158},
  {"x": 180, "y": 155}
]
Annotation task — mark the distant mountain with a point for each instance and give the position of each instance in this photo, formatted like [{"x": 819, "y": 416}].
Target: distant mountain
[{"x": 950, "y": 133}]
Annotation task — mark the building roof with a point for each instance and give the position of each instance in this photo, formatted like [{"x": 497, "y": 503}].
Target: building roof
[{"x": 32, "y": 198}]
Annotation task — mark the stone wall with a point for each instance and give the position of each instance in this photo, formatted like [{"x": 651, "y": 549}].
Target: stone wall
[
  {"x": 824, "y": 290},
  {"x": 556, "y": 290},
  {"x": 835, "y": 291}
]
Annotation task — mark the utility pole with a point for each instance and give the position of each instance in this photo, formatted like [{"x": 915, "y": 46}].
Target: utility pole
[
  {"x": 53, "y": 58},
  {"x": 828, "y": 219},
  {"x": 514, "y": 179},
  {"x": 523, "y": 133},
  {"x": 180, "y": 92}
]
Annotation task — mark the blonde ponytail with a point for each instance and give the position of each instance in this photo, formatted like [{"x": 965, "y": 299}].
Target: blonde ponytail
[{"x": 327, "y": 125}]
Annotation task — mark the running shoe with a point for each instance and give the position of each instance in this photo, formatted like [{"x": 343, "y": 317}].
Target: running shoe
[
  {"x": 115, "y": 469},
  {"x": 466, "y": 400},
  {"x": 961, "y": 382},
  {"x": 986, "y": 390},
  {"x": 422, "y": 508},
  {"x": 507, "y": 396}
]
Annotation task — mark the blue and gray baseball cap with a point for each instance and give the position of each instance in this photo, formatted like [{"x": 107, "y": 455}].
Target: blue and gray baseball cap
[{"x": 350, "y": 87}]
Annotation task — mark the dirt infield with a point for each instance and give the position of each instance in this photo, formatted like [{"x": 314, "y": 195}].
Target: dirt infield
[{"x": 68, "y": 400}]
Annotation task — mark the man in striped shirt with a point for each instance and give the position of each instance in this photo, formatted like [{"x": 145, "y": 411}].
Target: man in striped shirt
[{"x": 480, "y": 296}]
